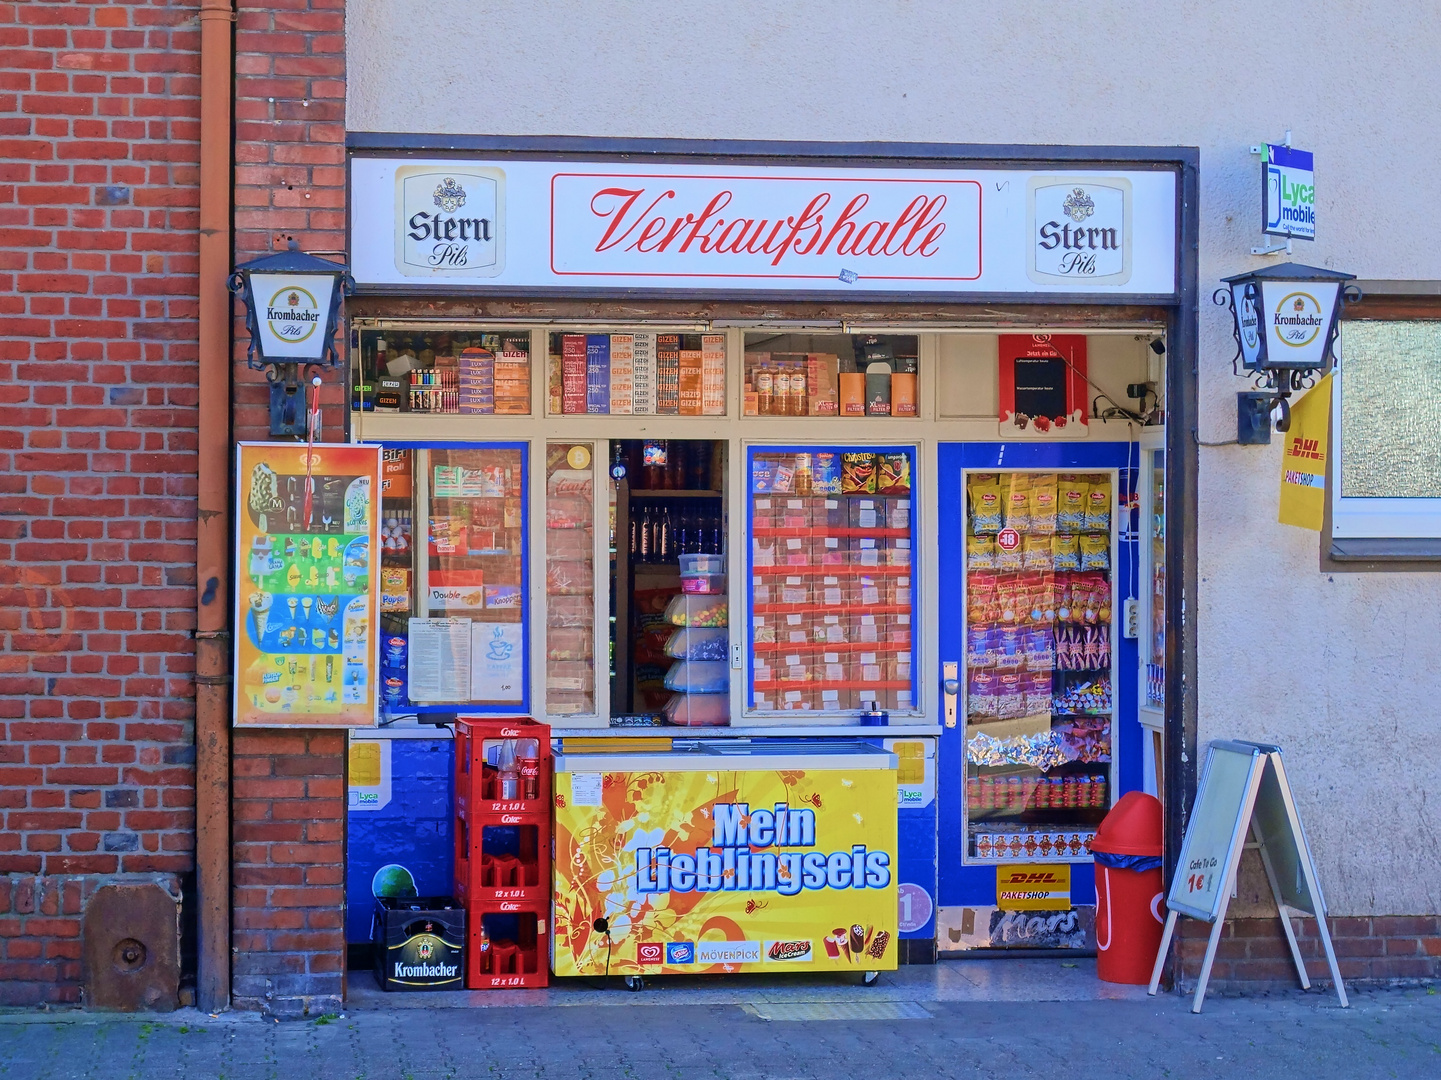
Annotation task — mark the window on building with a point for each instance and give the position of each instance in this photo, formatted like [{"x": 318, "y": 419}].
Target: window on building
[{"x": 1386, "y": 483}]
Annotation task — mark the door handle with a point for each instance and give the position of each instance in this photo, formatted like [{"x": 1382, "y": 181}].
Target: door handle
[{"x": 951, "y": 686}]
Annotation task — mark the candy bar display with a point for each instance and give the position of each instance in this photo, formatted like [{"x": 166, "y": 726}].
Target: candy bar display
[
  {"x": 830, "y": 567},
  {"x": 570, "y": 667},
  {"x": 425, "y": 371},
  {"x": 643, "y": 374},
  {"x": 397, "y": 595},
  {"x": 830, "y": 375},
  {"x": 1038, "y": 684}
]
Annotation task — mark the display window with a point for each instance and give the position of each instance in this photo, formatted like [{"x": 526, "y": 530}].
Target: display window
[
  {"x": 462, "y": 372},
  {"x": 454, "y": 579},
  {"x": 831, "y": 565},
  {"x": 570, "y": 579},
  {"x": 1039, "y": 687},
  {"x": 640, "y": 373},
  {"x": 831, "y": 375}
]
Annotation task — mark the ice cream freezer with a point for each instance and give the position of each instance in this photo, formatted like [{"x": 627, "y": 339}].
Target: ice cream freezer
[{"x": 726, "y": 855}]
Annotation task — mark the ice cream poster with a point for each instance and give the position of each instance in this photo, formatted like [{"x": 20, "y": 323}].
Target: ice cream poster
[
  {"x": 307, "y": 585},
  {"x": 722, "y": 871}
]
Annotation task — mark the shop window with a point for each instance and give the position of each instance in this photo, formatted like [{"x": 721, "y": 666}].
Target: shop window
[
  {"x": 463, "y": 372},
  {"x": 662, "y": 374},
  {"x": 570, "y": 579},
  {"x": 830, "y": 375},
  {"x": 1385, "y": 483}
]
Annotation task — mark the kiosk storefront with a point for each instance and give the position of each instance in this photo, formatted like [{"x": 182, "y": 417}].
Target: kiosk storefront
[{"x": 782, "y": 448}]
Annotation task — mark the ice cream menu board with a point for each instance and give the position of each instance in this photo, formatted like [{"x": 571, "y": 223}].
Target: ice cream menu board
[{"x": 306, "y": 585}]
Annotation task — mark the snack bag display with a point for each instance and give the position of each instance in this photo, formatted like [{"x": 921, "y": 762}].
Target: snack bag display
[
  {"x": 987, "y": 510},
  {"x": 858, "y": 474},
  {"x": 1018, "y": 502},
  {"x": 826, "y": 473},
  {"x": 1044, "y": 493},
  {"x": 1065, "y": 552},
  {"x": 1036, "y": 552},
  {"x": 1095, "y": 551},
  {"x": 1098, "y": 505},
  {"x": 893, "y": 474},
  {"x": 981, "y": 552},
  {"x": 1071, "y": 498}
]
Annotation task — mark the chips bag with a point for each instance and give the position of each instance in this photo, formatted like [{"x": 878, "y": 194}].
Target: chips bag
[
  {"x": 1098, "y": 506},
  {"x": 1071, "y": 497},
  {"x": 1044, "y": 492},
  {"x": 986, "y": 508},
  {"x": 1018, "y": 503},
  {"x": 1065, "y": 552},
  {"x": 893, "y": 474},
  {"x": 981, "y": 552},
  {"x": 858, "y": 474},
  {"x": 1095, "y": 551},
  {"x": 1036, "y": 552}
]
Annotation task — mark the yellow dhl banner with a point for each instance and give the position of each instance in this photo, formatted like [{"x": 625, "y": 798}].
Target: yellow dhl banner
[
  {"x": 1024, "y": 887},
  {"x": 1303, "y": 460},
  {"x": 725, "y": 871}
]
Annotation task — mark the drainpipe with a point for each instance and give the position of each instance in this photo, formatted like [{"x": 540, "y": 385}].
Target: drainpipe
[{"x": 212, "y": 542}]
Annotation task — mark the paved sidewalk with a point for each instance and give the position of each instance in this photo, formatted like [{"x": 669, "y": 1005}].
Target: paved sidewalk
[{"x": 958, "y": 1019}]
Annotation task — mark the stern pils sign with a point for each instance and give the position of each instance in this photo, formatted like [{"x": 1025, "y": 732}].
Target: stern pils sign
[
  {"x": 451, "y": 221},
  {"x": 1080, "y": 229}
]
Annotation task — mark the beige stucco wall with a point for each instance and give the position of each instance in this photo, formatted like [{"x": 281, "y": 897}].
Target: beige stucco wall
[{"x": 1344, "y": 671}]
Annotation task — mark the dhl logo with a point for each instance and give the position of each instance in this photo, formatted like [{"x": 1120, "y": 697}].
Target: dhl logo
[
  {"x": 1305, "y": 448},
  {"x": 1044, "y": 877}
]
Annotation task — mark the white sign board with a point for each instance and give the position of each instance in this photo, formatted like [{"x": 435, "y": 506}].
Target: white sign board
[
  {"x": 1244, "y": 792},
  {"x": 291, "y": 310},
  {"x": 1288, "y": 193},
  {"x": 449, "y": 222}
]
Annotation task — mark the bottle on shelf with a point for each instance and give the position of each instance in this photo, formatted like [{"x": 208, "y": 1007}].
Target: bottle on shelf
[
  {"x": 646, "y": 553},
  {"x": 529, "y": 750},
  {"x": 509, "y": 772},
  {"x": 765, "y": 390}
]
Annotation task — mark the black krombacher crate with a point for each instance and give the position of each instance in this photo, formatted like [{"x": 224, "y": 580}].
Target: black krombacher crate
[{"x": 419, "y": 943}]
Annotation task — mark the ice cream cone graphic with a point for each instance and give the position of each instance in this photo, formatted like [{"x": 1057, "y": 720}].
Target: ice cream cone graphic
[{"x": 260, "y": 602}]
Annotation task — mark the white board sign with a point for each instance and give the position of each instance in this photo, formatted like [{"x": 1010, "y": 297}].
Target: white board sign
[
  {"x": 1243, "y": 791},
  {"x": 445, "y": 222}
]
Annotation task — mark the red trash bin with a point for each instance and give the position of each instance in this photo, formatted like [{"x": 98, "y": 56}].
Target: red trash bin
[{"x": 1130, "y": 893}]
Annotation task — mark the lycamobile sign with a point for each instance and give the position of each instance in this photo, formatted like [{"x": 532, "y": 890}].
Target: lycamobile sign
[{"x": 1288, "y": 193}]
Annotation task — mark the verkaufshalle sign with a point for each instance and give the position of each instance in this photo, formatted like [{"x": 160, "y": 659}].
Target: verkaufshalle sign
[{"x": 452, "y": 222}]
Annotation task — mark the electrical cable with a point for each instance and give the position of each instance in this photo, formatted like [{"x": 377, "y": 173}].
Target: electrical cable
[{"x": 1115, "y": 411}]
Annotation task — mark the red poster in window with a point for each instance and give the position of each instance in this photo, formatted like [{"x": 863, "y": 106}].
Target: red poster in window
[{"x": 1043, "y": 386}]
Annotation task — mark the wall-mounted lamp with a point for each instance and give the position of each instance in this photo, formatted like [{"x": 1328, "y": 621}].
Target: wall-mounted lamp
[
  {"x": 292, "y": 303},
  {"x": 1285, "y": 320}
]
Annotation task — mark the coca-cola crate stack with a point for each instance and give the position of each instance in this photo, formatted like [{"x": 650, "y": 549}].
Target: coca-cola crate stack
[{"x": 503, "y": 849}]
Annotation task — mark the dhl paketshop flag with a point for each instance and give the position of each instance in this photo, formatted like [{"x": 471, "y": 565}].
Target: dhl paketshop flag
[{"x": 1303, "y": 461}]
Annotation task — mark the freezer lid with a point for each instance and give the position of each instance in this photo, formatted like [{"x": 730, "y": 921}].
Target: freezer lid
[{"x": 733, "y": 755}]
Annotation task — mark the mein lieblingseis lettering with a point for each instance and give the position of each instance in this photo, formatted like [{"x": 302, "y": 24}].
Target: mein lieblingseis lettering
[{"x": 732, "y": 864}]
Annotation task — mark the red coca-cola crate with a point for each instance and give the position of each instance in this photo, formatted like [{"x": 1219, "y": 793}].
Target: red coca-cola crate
[
  {"x": 503, "y": 851},
  {"x": 508, "y": 946}
]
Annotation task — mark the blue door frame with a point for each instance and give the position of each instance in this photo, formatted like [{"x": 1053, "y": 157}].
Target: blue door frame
[{"x": 975, "y": 886}]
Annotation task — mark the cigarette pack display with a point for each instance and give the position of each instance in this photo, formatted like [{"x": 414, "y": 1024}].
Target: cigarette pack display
[
  {"x": 823, "y": 384},
  {"x": 667, "y": 360},
  {"x": 878, "y": 388},
  {"x": 852, "y": 393},
  {"x": 903, "y": 387},
  {"x": 622, "y": 373},
  {"x": 713, "y": 374},
  {"x": 643, "y": 374},
  {"x": 573, "y": 373},
  {"x": 689, "y": 382},
  {"x": 512, "y": 377},
  {"x": 597, "y": 373}
]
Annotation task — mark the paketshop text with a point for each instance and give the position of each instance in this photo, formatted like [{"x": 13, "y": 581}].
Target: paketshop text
[{"x": 733, "y": 862}]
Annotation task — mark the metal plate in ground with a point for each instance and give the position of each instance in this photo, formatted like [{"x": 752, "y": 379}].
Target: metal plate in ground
[{"x": 838, "y": 1010}]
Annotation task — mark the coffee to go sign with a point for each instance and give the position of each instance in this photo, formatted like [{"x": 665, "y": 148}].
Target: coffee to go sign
[{"x": 452, "y": 223}]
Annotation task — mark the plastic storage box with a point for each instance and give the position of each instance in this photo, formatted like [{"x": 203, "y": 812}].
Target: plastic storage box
[{"x": 702, "y": 564}]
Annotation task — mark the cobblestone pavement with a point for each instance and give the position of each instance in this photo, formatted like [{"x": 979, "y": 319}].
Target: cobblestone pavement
[{"x": 1385, "y": 1034}]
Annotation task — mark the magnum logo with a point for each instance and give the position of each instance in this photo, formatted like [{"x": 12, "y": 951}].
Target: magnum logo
[{"x": 450, "y": 221}]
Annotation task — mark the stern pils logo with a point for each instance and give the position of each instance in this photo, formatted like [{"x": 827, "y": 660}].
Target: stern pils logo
[
  {"x": 449, "y": 221},
  {"x": 1080, "y": 230}
]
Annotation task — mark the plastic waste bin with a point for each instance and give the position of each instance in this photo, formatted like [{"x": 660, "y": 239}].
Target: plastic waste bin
[{"x": 1130, "y": 893}]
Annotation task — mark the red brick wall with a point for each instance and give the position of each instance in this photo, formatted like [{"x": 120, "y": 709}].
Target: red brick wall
[
  {"x": 289, "y": 798},
  {"x": 289, "y": 874},
  {"x": 98, "y": 250},
  {"x": 1253, "y": 955}
]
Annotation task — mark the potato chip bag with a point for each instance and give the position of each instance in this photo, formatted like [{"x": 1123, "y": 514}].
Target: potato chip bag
[
  {"x": 1098, "y": 505},
  {"x": 1065, "y": 552},
  {"x": 1009, "y": 560},
  {"x": 1044, "y": 492},
  {"x": 986, "y": 508},
  {"x": 1095, "y": 551},
  {"x": 981, "y": 552},
  {"x": 1018, "y": 502},
  {"x": 1036, "y": 552},
  {"x": 893, "y": 474},
  {"x": 858, "y": 474},
  {"x": 1071, "y": 497}
]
